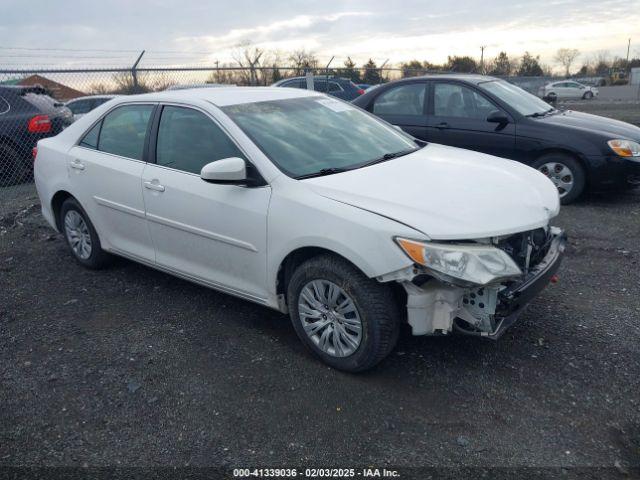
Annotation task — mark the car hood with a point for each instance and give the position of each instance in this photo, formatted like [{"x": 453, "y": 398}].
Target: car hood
[
  {"x": 448, "y": 193},
  {"x": 593, "y": 123}
]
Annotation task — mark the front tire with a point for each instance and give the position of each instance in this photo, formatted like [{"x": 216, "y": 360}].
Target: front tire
[
  {"x": 81, "y": 236},
  {"x": 349, "y": 321},
  {"x": 588, "y": 95},
  {"x": 565, "y": 172}
]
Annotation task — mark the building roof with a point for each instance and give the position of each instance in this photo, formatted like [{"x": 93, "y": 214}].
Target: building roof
[{"x": 58, "y": 90}]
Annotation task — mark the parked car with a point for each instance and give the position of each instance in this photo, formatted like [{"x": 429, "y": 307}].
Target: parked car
[
  {"x": 83, "y": 105},
  {"x": 308, "y": 205},
  {"x": 27, "y": 114},
  {"x": 567, "y": 89},
  {"x": 577, "y": 151},
  {"x": 342, "y": 88}
]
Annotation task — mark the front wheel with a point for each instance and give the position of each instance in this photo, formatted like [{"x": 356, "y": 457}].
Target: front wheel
[
  {"x": 588, "y": 95},
  {"x": 566, "y": 174},
  {"x": 348, "y": 320}
]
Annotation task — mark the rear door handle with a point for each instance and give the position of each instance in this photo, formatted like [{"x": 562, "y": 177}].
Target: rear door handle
[
  {"x": 77, "y": 164},
  {"x": 442, "y": 125},
  {"x": 154, "y": 186}
]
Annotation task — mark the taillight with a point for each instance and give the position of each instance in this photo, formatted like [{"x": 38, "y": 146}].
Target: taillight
[
  {"x": 40, "y": 124},
  {"x": 360, "y": 91},
  {"x": 34, "y": 153}
]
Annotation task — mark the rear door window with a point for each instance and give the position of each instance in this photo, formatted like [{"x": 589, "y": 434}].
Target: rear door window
[
  {"x": 297, "y": 83},
  {"x": 90, "y": 140},
  {"x": 124, "y": 131},
  {"x": 81, "y": 106}
]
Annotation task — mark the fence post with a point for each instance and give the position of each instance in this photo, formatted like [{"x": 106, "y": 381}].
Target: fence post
[{"x": 134, "y": 72}]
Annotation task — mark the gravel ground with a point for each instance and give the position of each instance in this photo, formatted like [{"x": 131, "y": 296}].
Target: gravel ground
[{"x": 129, "y": 366}]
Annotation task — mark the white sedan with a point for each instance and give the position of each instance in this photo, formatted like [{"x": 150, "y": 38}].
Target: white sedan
[
  {"x": 308, "y": 205},
  {"x": 567, "y": 89}
]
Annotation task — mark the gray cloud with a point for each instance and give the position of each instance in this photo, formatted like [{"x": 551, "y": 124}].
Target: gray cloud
[{"x": 371, "y": 28}]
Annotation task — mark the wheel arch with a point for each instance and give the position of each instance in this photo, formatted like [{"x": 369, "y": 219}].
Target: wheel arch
[
  {"x": 296, "y": 258},
  {"x": 565, "y": 151},
  {"x": 56, "y": 203}
]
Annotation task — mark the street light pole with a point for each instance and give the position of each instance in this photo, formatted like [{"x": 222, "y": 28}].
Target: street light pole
[{"x": 482, "y": 58}]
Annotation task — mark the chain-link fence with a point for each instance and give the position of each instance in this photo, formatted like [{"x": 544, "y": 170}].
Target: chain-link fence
[{"x": 36, "y": 104}]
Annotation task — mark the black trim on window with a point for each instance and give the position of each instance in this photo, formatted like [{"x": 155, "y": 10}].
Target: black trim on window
[
  {"x": 254, "y": 177},
  {"x": 149, "y": 151}
]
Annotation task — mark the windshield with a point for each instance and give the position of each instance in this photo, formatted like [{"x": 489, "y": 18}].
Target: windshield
[
  {"x": 518, "y": 99},
  {"x": 303, "y": 136}
]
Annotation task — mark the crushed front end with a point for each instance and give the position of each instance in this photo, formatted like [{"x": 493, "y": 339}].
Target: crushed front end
[{"x": 481, "y": 287}]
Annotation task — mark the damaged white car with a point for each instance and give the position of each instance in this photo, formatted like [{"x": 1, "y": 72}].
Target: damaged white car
[{"x": 307, "y": 205}]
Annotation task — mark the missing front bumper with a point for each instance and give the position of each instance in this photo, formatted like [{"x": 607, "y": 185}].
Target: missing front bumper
[{"x": 439, "y": 308}]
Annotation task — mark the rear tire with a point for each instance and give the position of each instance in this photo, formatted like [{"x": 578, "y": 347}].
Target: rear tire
[
  {"x": 13, "y": 169},
  {"x": 565, "y": 172},
  {"x": 373, "y": 308},
  {"x": 81, "y": 236}
]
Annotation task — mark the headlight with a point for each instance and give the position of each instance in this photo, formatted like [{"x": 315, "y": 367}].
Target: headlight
[
  {"x": 477, "y": 264},
  {"x": 625, "y": 148}
]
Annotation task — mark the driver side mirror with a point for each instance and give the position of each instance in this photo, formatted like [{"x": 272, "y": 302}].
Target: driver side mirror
[
  {"x": 498, "y": 117},
  {"x": 229, "y": 171}
]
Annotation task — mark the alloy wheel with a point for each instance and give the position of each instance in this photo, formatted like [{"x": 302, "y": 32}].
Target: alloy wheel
[
  {"x": 560, "y": 175},
  {"x": 330, "y": 318},
  {"x": 78, "y": 235}
]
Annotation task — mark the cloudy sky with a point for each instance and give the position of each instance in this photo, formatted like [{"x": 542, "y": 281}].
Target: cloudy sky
[{"x": 189, "y": 31}]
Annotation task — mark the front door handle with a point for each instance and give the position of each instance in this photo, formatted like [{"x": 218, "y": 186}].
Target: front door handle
[
  {"x": 442, "y": 125},
  {"x": 154, "y": 186},
  {"x": 77, "y": 164}
]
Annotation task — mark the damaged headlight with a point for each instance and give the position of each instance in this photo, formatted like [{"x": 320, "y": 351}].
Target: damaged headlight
[{"x": 476, "y": 264}]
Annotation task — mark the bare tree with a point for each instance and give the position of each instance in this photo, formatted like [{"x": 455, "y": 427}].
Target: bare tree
[
  {"x": 301, "y": 60},
  {"x": 248, "y": 58},
  {"x": 566, "y": 57}
]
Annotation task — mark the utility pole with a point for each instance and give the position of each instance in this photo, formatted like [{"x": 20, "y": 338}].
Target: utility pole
[
  {"x": 628, "y": 48},
  {"x": 482, "y": 47}
]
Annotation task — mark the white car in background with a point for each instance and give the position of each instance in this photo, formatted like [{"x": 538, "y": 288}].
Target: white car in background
[
  {"x": 567, "y": 89},
  {"x": 308, "y": 205},
  {"x": 80, "y": 106}
]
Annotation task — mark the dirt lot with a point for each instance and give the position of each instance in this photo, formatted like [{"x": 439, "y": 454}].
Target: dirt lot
[{"x": 129, "y": 366}]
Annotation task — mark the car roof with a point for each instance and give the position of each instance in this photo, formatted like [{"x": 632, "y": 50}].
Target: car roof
[
  {"x": 223, "y": 96},
  {"x": 315, "y": 77},
  {"x": 466, "y": 77}
]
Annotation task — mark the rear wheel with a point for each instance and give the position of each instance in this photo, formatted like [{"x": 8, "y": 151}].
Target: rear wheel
[
  {"x": 349, "y": 321},
  {"x": 81, "y": 236},
  {"x": 12, "y": 167},
  {"x": 566, "y": 174}
]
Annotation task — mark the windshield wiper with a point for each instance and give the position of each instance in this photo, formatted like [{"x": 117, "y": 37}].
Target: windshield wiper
[
  {"x": 323, "y": 172},
  {"x": 541, "y": 114},
  {"x": 390, "y": 156}
]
